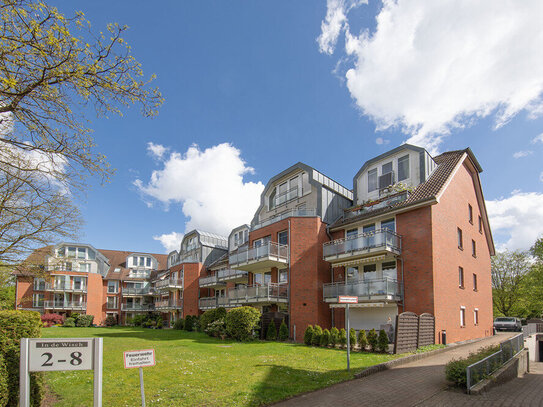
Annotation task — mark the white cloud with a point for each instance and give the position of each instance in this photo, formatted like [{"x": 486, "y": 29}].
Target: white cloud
[
  {"x": 380, "y": 141},
  {"x": 518, "y": 219},
  {"x": 170, "y": 241},
  {"x": 156, "y": 150},
  {"x": 524, "y": 153},
  {"x": 432, "y": 66},
  {"x": 209, "y": 186},
  {"x": 538, "y": 139}
]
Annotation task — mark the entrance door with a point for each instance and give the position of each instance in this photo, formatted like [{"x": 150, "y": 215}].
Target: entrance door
[{"x": 540, "y": 343}]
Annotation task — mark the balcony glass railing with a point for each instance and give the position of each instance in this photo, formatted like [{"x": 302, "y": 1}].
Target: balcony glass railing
[
  {"x": 207, "y": 302},
  {"x": 364, "y": 288},
  {"x": 137, "y": 307},
  {"x": 137, "y": 291},
  {"x": 258, "y": 293},
  {"x": 65, "y": 286},
  {"x": 254, "y": 254},
  {"x": 230, "y": 274},
  {"x": 169, "y": 304},
  {"x": 169, "y": 283},
  {"x": 304, "y": 213},
  {"x": 65, "y": 305},
  {"x": 209, "y": 280},
  {"x": 364, "y": 242},
  {"x": 285, "y": 197}
]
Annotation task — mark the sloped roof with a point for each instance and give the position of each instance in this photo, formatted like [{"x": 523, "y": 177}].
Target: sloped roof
[{"x": 117, "y": 259}]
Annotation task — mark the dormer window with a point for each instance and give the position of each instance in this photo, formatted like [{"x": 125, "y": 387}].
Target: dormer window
[
  {"x": 403, "y": 168},
  {"x": 372, "y": 180},
  {"x": 285, "y": 192}
]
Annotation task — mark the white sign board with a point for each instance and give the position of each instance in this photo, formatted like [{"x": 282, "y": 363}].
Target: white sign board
[
  {"x": 60, "y": 354},
  {"x": 139, "y": 358},
  {"x": 346, "y": 299}
]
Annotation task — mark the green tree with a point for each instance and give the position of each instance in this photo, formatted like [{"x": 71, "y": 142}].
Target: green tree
[
  {"x": 382, "y": 341},
  {"x": 342, "y": 337},
  {"x": 352, "y": 338},
  {"x": 325, "y": 338},
  {"x": 283, "y": 331},
  {"x": 316, "y": 338},
  {"x": 308, "y": 335},
  {"x": 362, "y": 340},
  {"x": 372, "y": 340},
  {"x": 271, "y": 334},
  {"x": 334, "y": 337},
  {"x": 509, "y": 270}
]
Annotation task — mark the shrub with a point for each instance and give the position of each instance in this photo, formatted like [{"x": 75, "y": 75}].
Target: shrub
[
  {"x": 210, "y": 316},
  {"x": 69, "y": 322},
  {"x": 308, "y": 335},
  {"x": 271, "y": 334},
  {"x": 111, "y": 320},
  {"x": 179, "y": 324},
  {"x": 189, "y": 323},
  {"x": 455, "y": 370},
  {"x": 382, "y": 341},
  {"x": 316, "y": 338},
  {"x": 334, "y": 336},
  {"x": 196, "y": 323},
  {"x": 84, "y": 320},
  {"x": 216, "y": 328},
  {"x": 342, "y": 337},
  {"x": 362, "y": 340},
  {"x": 352, "y": 338},
  {"x": 52, "y": 319},
  {"x": 138, "y": 319},
  {"x": 241, "y": 322},
  {"x": 14, "y": 326},
  {"x": 3, "y": 382},
  {"x": 325, "y": 338},
  {"x": 283, "y": 331},
  {"x": 372, "y": 340}
]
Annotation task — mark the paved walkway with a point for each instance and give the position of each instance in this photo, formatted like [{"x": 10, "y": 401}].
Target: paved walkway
[{"x": 422, "y": 383}]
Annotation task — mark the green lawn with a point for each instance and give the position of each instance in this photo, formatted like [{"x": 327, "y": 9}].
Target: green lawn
[{"x": 194, "y": 369}]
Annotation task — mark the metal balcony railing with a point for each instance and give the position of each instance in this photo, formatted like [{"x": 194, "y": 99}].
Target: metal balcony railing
[
  {"x": 137, "y": 307},
  {"x": 65, "y": 305},
  {"x": 364, "y": 289},
  {"x": 138, "y": 291},
  {"x": 207, "y": 303},
  {"x": 169, "y": 283},
  {"x": 169, "y": 304},
  {"x": 259, "y": 293},
  {"x": 253, "y": 254},
  {"x": 65, "y": 286},
  {"x": 304, "y": 213},
  {"x": 285, "y": 197},
  {"x": 384, "y": 239},
  {"x": 209, "y": 280},
  {"x": 231, "y": 274}
]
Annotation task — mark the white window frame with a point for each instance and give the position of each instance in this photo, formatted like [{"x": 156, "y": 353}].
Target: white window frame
[
  {"x": 36, "y": 300},
  {"x": 116, "y": 284},
  {"x": 476, "y": 316},
  {"x": 115, "y": 302},
  {"x": 404, "y": 158},
  {"x": 462, "y": 316}
]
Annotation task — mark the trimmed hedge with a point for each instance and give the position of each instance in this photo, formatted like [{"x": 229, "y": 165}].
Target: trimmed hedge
[
  {"x": 84, "y": 320},
  {"x": 316, "y": 338},
  {"x": 325, "y": 338},
  {"x": 69, "y": 322},
  {"x": 211, "y": 316},
  {"x": 334, "y": 336},
  {"x": 382, "y": 341},
  {"x": 111, "y": 320},
  {"x": 271, "y": 335},
  {"x": 308, "y": 335},
  {"x": 15, "y": 325},
  {"x": 455, "y": 370},
  {"x": 3, "y": 383},
  {"x": 352, "y": 338},
  {"x": 241, "y": 322},
  {"x": 179, "y": 324},
  {"x": 362, "y": 340},
  {"x": 342, "y": 337},
  {"x": 283, "y": 331},
  {"x": 372, "y": 340}
]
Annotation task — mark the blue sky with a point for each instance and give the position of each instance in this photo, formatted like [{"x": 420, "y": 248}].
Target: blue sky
[{"x": 254, "y": 75}]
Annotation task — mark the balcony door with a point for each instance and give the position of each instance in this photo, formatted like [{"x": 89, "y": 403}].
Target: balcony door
[
  {"x": 60, "y": 299},
  {"x": 369, "y": 235}
]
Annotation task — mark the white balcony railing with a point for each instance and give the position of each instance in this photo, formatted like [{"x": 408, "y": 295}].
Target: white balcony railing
[
  {"x": 169, "y": 283},
  {"x": 209, "y": 281},
  {"x": 303, "y": 213},
  {"x": 137, "y": 307},
  {"x": 65, "y": 305},
  {"x": 169, "y": 304},
  {"x": 275, "y": 252},
  {"x": 270, "y": 292},
  {"x": 65, "y": 286},
  {"x": 231, "y": 274},
  {"x": 285, "y": 197},
  {"x": 207, "y": 303},
  {"x": 138, "y": 291},
  {"x": 369, "y": 289},
  {"x": 366, "y": 242}
]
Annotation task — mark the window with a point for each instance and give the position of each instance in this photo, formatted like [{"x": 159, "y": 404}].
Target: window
[
  {"x": 476, "y": 316},
  {"x": 112, "y": 286},
  {"x": 474, "y": 282},
  {"x": 283, "y": 276},
  {"x": 39, "y": 284},
  {"x": 403, "y": 167},
  {"x": 370, "y": 272},
  {"x": 117, "y": 270},
  {"x": 134, "y": 261},
  {"x": 389, "y": 270},
  {"x": 470, "y": 211},
  {"x": 461, "y": 277},
  {"x": 480, "y": 224},
  {"x": 37, "y": 300},
  {"x": 460, "y": 240},
  {"x": 352, "y": 232},
  {"x": 71, "y": 252},
  {"x": 282, "y": 237},
  {"x": 81, "y": 252},
  {"x": 352, "y": 274},
  {"x": 148, "y": 262},
  {"x": 386, "y": 168},
  {"x": 258, "y": 279},
  {"x": 372, "y": 180},
  {"x": 84, "y": 267},
  {"x": 78, "y": 283},
  {"x": 271, "y": 203},
  {"x": 388, "y": 224},
  {"x": 111, "y": 302},
  {"x": 267, "y": 277},
  {"x": 142, "y": 261},
  {"x": 462, "y": 316},
  {"x": 473, "y": 248}
]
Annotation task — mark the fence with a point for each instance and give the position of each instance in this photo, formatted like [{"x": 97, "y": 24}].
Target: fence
[
  {"x": 532, "y": 329},
  {"x": 485, "y": 367},
  {"x": 413, "y": 331}
]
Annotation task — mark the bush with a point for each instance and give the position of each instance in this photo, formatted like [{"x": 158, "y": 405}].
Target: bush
[
  {"x": 352, "y": 338},
  {"x": 308, "y": 335},
  {"x": 334, "y": 336},
  {"x": 342, "y": 337},
  {"x": 69, "y": 322},
  {"x": 372, "y": 340},
  {"x": 14, "y": 326},
  {"x": 189, "y": 323},
  {"x": 3, "y": 382},
  {"x": 196, "y": 323},
  {"x": 216, "y": 328},
  {"x": 111, "y": 320},
  {"x": 271, "y": 334},
  {"x": 241, "y": 322},
  {"x": 210, "y": 316},
  {"x": 316, "y": 338},
  {"x": 283, "y": 331},
  {"x": 138, "y": 320},
  {"x": 84, "y": 320},
  {"x": 382, "y": 341},
  {"x": 455, "y": 370},
  {"x": 179, "y": 324},
  {"x": 52, "y": 319},
  {"x": 325, "y": 338},
  {"x": 362, "y": 340}
]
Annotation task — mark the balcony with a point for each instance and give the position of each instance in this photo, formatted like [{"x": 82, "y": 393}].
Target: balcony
[
  {"x": 374, "y": 290},
  {"x": 169, "y": 284},
  {"x": 285, "y": 197},
  {"x": 169, "y": 305},
  {"x": 268, "y": 293},
  {"x": 137, "y": 292},
  {"x": 65, "y": 305},
  {"x": 380, "y": 242},
  {"x": 65, "y": 287},
  {"x": 258, "y": 258},
  {"x": 235, "y": 276},
  {"x": 207, "y": 303},
  {"x": 304, "y": 213},
  {"x": 210, "y": 281},
  {"x": 137, "y": 307}
]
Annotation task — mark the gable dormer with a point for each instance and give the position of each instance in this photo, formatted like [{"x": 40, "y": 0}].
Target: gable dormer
[
  {"x": 238, "y": 237},
  {"x": 404, "y": 167}
]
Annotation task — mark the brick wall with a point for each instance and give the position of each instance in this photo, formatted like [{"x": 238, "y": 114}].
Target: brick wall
[{"x": 191, "y": 287}]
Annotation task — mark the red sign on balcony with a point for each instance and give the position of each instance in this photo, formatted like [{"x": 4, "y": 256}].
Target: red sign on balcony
[{"x": 347, "y": 299}]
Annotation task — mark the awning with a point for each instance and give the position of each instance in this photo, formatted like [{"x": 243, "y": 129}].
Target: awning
[
  {"x": 356, "y": 262},
  {"x": 361, "y": 305}
]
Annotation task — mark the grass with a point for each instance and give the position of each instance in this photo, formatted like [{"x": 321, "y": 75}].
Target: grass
[{"x": 194, "y": 369}]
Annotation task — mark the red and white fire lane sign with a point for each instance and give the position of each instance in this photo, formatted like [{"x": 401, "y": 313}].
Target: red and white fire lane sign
[
  {"x": 139, "y": 358},
  {"x": 347, "y": 299}
]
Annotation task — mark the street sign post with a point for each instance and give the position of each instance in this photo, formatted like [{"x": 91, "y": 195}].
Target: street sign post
[
  {"x": 139, "y": 359},
  {"x": 57, "y": 354},
  {"x": 347, "y": 299}
]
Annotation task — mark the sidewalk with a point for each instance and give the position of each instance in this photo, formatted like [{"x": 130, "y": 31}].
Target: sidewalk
[{"x": 411, "y": 384}]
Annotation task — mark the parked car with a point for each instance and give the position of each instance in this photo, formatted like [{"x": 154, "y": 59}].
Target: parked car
[{"x": 507, "y": 324}]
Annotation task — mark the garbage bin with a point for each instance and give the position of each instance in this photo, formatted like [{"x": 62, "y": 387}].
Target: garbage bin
[{"x": 443, "y": 337}]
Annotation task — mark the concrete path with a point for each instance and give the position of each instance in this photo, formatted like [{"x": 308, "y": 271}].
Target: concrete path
[{"x": 419, "y": 383}]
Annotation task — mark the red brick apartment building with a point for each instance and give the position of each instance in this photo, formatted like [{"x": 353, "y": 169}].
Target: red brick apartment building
[{"x": 412, "y": 235}]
